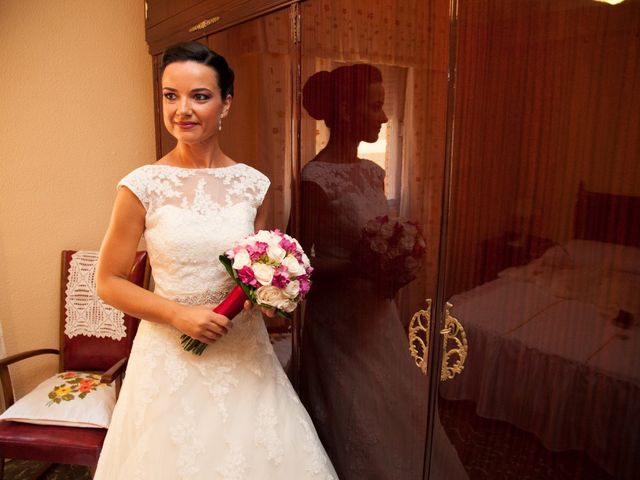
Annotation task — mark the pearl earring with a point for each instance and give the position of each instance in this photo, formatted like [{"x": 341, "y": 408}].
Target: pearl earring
[{"x": 220, "y": 124}]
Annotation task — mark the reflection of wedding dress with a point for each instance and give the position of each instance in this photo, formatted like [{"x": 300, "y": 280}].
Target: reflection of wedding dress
[
  {"x": 364, "y": 393},
  {"x": 231, "y": 413}
]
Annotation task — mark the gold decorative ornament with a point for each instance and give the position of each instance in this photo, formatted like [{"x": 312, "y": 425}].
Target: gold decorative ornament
[
  {"x": 419, "y": 337},
  {"x": 453, "y": 332},
  {"x": 204, "y": 24}
]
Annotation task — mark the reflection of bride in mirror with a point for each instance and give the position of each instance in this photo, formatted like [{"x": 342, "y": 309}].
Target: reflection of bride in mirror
[{"x": 365, "y": 395}]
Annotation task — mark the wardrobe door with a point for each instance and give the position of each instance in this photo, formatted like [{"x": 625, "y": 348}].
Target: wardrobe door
[
  {"x": 258, "y": 130},
  {"x": 373, "y": 95},
  {"x": 542, "y": 250}
]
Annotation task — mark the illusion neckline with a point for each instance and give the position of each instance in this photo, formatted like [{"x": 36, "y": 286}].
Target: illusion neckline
[{"x": 195, "y": 169}]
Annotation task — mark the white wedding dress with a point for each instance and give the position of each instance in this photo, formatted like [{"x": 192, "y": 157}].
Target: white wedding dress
[
  {"x": 230, "y": 414},
  {"x": 365, "y": 395}
]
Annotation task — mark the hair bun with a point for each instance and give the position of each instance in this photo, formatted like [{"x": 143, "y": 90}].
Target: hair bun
[{"x": 314, "y": 95}]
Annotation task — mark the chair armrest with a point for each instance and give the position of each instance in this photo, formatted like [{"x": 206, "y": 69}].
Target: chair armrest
[
  {"x": 31, "y": 353},
  {"x": 5, "y": 377},
  {"x": 115, "y": 371}
]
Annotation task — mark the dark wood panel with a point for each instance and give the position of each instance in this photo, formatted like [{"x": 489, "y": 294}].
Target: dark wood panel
[
  {"x": 205, "y": 18},
  {"x": 164, "y": 141},
  {"x": 606, "y": 217},
  {"x": 159, "y": 10}
]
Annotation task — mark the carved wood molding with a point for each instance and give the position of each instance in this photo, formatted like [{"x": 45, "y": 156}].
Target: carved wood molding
[{"x": 167, "y": 26}]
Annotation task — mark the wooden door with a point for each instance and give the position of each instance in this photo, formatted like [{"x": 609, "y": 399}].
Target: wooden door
[
  {"x": 372, "y": 143},
  {"x": 542, "y": 255}
]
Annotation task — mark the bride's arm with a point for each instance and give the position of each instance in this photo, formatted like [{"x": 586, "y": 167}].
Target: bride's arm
[
  {"x": 116, "y": 257},
  {"x": 260, "y": 222},
  {"x": 313, "y": 199}
]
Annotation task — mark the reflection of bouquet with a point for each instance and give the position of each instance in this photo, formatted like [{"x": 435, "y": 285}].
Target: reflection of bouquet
[
  {"x": 390, "y": 250},
  {"x": 270, "y": 269}
]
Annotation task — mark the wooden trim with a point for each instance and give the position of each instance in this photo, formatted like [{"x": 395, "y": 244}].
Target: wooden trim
[
  {"x": 296, "y": 181},
  {"x": 115, "y": 371},
  {"x": 230, "y": 12},
  {"x": 157, "y": 106},
  {"x": 5, "y": 376},
  {"x": 64, "y": 277}
]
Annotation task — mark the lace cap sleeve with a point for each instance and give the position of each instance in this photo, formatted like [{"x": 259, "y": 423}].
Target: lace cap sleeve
[
  {"x": 259, "y": 186},
  {"x": 137, "y": 182}
]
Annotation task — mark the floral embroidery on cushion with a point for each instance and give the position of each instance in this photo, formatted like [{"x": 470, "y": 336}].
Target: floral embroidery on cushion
[{"x": 75, "y": 385}]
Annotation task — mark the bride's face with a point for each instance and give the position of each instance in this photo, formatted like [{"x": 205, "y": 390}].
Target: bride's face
[
  {"x": 369, "y": 116},
  {"x": 192, "y": 104}
]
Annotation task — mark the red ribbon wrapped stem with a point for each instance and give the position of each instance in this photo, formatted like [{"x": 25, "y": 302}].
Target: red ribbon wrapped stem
[{"x": 233, "y": 304}]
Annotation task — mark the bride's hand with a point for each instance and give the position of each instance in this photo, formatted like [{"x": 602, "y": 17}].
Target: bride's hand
[
  {"x": 201, "y": 323},
  {"x": 269, "y": 312}
]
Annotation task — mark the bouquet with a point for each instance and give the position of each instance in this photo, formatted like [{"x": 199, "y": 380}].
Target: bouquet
[
  {"x": 390, "y": 250},
  {"x": 270, "y": 269}
]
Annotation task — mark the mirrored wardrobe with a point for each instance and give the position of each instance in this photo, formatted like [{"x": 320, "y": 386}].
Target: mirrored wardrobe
[{"x": 465, "y": 177}]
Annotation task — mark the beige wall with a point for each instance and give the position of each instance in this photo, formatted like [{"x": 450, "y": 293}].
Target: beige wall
[{"x": 76, "y": 114}]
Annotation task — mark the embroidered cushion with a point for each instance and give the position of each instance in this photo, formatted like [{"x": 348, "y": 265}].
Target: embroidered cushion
[{"x": 71, "y": 399}]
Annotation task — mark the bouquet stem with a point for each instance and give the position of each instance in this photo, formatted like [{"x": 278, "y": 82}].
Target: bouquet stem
[{"x": 231, "y": 306}]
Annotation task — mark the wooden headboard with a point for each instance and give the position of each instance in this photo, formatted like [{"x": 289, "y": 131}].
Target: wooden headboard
[{"x": 606, "y": 217}]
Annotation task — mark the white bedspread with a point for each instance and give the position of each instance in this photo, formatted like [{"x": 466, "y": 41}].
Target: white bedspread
[{"x": 545, "y": 356}]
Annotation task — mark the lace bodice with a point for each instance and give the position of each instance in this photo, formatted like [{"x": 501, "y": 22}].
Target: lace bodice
[
  {"x": 355, "y": 194},
  {"x": 192, "y": 216}
]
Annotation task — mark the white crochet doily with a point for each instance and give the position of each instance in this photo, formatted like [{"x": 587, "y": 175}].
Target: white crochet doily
[{"x": 86, "y": 313}]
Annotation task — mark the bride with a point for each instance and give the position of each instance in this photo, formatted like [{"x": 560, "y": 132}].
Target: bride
[
  {"x": 366, "y": 398},
  {"x": 230, "y": 413}
]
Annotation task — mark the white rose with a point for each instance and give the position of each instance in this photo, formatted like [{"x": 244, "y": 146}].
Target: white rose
[
  {"x": 393, "y": 252},
  {"x": 378, "y": 245},
  {"x": 387, "y": 229},
  {"x": 293, "y": 266},
  {"x": 286, "y": 305},
  {"x": 372, "y": 227},
  {"x": 276, "y": 253},
  {"x": 242, "y": 259},
  {"x": 305, "y": 260},
  {"x": 262, "y": 236},
  {"x": 410, "y": 229},
  {"x": 269, "y": 295},
  {"x": 292, "y": 289},
  {"x": 263, "y": 273},
  {"x": 406, "y": 242},
  {"x": 410, "y": 264}
]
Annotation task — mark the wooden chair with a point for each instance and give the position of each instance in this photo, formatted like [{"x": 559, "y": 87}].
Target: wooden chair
[{"x": 80, "y": 351}]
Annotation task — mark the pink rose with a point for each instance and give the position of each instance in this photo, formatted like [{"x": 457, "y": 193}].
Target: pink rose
[
  {"x": 279, "y": 280},
  {"x": 288, "y": 245},
  {"x": 305, "y": 285},
  {"x": 257, "y": 250},
  {"x": 246, "y": 276}
]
